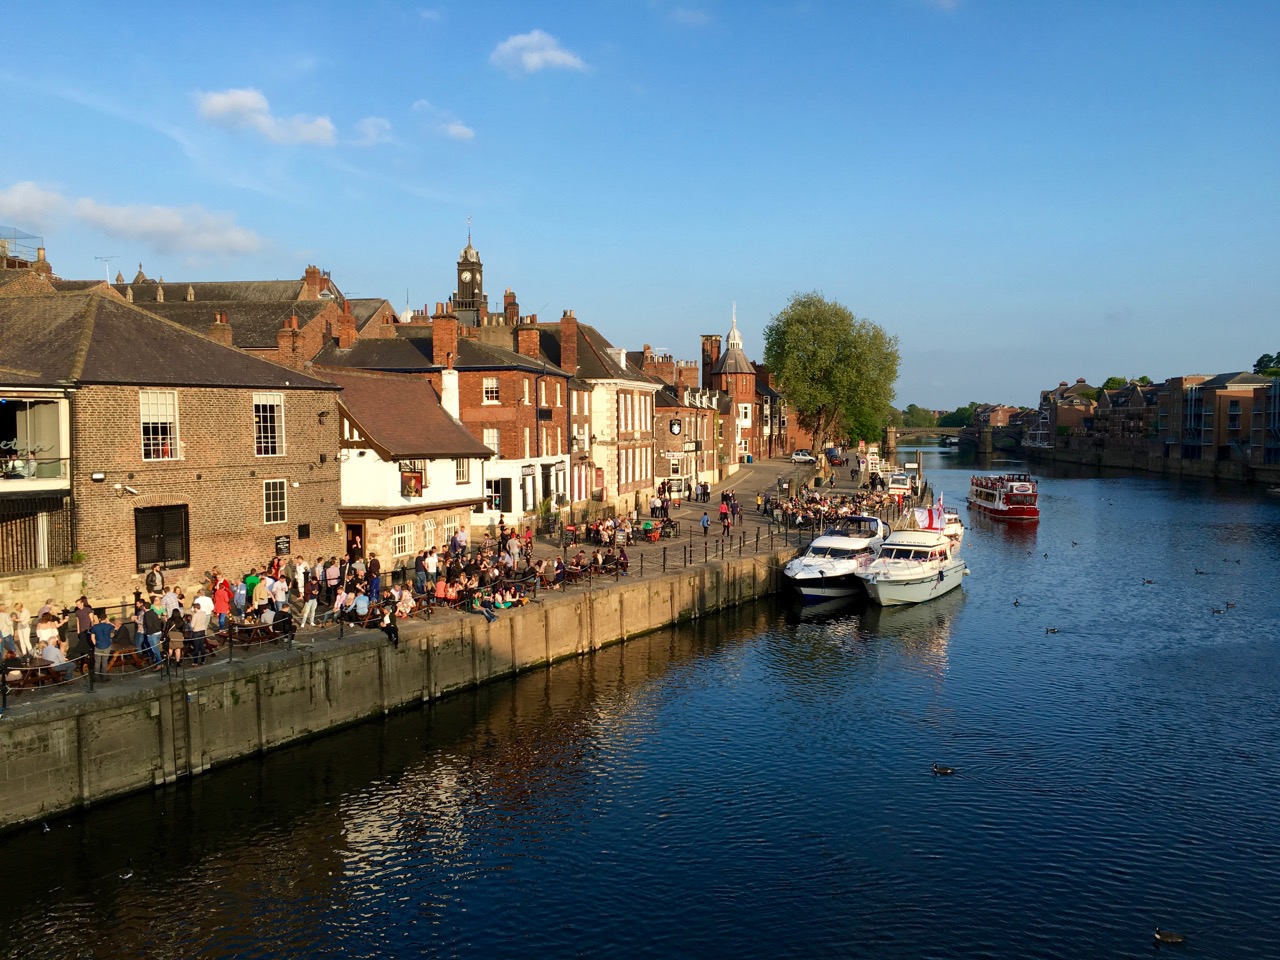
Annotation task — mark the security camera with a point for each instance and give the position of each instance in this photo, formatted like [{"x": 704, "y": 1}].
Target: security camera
[{"x": 129, "y": 490}]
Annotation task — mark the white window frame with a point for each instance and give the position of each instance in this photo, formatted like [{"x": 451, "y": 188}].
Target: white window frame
[
  {"x": 153, "y": 407},
  {"x": 429, "y": 534},
  {"x": 744, "y": 414},
  {"x": 491, "y": 391},
  {"x": 462, "y": 470},
  {"x": 282, "y": 486},
  {"x": 493, "y": 440},
  {"x": 402, "y": 539},
  {"x": 450, "y": 528},
  {"x": 268, "y": 401}
]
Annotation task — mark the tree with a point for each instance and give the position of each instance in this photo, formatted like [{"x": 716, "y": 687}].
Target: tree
[
  {"x": 832, "y": 367},
  {"x": 1115, "y": 383},
  {"x": 1267, "y": 364},
  {"x": 915, "y": 416},
  {"x": 959, "y": 417}
]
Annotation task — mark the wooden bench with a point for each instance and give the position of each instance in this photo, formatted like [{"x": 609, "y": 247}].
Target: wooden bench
[{"x": 29, "y": 674}]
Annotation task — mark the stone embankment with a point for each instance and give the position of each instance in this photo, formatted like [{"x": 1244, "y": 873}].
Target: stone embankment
[{"x": 128, "y": 737}]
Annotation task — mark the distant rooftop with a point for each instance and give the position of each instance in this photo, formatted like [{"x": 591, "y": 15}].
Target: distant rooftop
[{"x": 17, "y": 245}]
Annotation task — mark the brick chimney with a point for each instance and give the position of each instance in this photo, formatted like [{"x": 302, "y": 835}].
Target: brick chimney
[
  {"x": 710, "y": 354},
  {"x": 287, "y": 342},
  {"x": 312, "y": 284},
  {"x": 444, "y": 340},
  {"x": 528, "y": 341},
  {"x": 510, "y": 309},
  {"x": 220, "y": 329},
  {"x": 569, "y": 343},
  {"x": 346, "y": 335},
  {"x": 42, "y": 266}
]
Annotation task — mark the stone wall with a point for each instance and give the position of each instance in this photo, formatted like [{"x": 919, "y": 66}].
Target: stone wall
[{"x": 99, "y": 745}]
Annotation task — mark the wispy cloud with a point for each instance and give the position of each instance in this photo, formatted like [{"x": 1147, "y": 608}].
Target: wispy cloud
[
  {"x": 534, "y": 51},
  {"x": 444, "y": 122},
  {"x": 372, "y": 131},
  {"x": 190, "y": 229},
  {"x": 457, "y": 130},
  {"x": 687, "y": 17},
  {"x": 427, "y": 14},
  {"x": 247, "y": 109}
]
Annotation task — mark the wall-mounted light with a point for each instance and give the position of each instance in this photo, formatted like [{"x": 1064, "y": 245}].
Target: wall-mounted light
[
  {"x": 323, "y": 415},
  {"x": 294, "y": 484},
  {"x": 97, "y": 477}
]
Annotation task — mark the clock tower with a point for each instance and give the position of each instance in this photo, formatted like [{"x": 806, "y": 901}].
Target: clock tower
[{"x": 469, "y": 301}]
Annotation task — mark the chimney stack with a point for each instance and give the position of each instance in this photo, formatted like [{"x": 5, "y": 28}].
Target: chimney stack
[
  {"x": 528, "y": 341},
  {"x": 444, "y": 340},
  {"x": 220, "y": 329},
  {"x": 569, "y": 343},
  {"x": 346, "y": 335},
  {"x": 710, "y": 354}
]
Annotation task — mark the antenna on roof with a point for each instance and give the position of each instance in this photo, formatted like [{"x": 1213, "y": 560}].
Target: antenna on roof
[{"x": 107, "y": 261}]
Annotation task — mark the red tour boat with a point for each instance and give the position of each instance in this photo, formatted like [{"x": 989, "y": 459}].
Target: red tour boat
[{"x": 1010, "y": 496}]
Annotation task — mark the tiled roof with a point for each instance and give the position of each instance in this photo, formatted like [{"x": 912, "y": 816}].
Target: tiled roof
[
  {"x": 95, "y": 339},
  {"x": 1240, "y": 379},
  {"x": 234, "y": 291},
  {"x": 253, "y": 325},
  {"x": 402, "y": 415},
  {"x": 410, "y": 352}
]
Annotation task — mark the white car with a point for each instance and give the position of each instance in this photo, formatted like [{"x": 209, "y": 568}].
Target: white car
[{"x": 803, "y": 456}]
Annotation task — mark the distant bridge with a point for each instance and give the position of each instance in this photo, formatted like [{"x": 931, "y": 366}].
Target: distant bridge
[{"x": 986, "y": 439}]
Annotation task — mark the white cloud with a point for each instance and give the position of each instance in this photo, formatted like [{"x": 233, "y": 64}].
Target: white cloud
[
  {"x": 28, "y": 203},
  {"x": 190, "y": 229},
  {"x": 445, "y": 123},
  {"x": 373, "y": 130},
  {"x": 457, "y": 130},
  {"x": 247, "y": 109},
  {"x": 429, "y": 14},
  {"x": 689, "y": 18},
  {"x": 534, "y": 51}
]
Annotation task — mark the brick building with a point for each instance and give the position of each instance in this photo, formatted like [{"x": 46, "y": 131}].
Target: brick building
[
  {"x": 411, "y": 473},
  {"x": 155, "y": 445}
]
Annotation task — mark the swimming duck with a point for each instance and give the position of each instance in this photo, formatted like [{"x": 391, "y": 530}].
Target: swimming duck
[
  {"x": 128, "y": 870},
  {"x": 1168, "y": 936},
  {"x": 1050, "y": 629},
  {"x": 941, "y": 771}
]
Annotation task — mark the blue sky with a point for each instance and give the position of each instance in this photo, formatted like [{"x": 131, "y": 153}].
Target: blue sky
[{"x": 1023, "y": 192}]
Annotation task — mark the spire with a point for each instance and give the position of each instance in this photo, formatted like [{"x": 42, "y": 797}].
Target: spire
[{"x": 734, "y": 338}]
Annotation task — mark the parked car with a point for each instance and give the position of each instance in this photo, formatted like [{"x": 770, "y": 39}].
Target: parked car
[
  {"x": 803, "y": 456},
  {"x": 835, "y": 457}
]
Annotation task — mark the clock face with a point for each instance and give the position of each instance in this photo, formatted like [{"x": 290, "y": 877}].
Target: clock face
[
  {"x": 676, "y": 427},
  {"x": 466, "y": 276}
]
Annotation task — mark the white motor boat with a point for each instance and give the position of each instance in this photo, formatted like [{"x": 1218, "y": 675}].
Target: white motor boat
[
  {"x": 828, "y": 568},
  {"x": 913, "y": 566}
]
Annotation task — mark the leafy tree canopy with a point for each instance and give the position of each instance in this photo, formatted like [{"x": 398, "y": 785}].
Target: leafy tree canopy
[
  {"x": 1268, "y": 365},
  {"x": 959, "y": 417},
  {"x": 915, "y": 416},
  {"x": 836, "y": 370},
  {"x": 1115, "y": 383}
]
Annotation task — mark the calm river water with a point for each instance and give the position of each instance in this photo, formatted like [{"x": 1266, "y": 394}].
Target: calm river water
[{"x": 759, "y": 785}]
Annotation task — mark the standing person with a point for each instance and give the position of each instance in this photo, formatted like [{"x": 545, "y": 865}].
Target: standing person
[
  {"x": 375, "y": 577},
  {"x": 432, "y": 564},
  {"x": 201, "y": 614},
  {"x": 705, "y": 522},
  {"x": 7, "y": 645},
  {"x": 155, "y": 580},
  {"x": 102, "y": 630},
  {"x": 152, "y": 631},
  {"x": 728, "y": 524},
  {"x": 22, "y": 628},
  {"x": 222, "y": 596},
  {"x": 312, "y": 595},
  {"x": 332, "y": 574},
  {"x": 420, "y": 572},
  {"x": 84, "y": 621}
]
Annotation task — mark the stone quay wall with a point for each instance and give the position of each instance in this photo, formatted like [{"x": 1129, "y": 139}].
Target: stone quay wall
[{"x": 114, "y": 741}]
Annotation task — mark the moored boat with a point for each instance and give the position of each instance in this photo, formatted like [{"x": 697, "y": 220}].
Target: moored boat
[
  {"x": 1008, "y": 496},
  {"x": 913, "y": 566},
  {"x": 827, "y": 569},
  {"x": 953, "y": 526}
]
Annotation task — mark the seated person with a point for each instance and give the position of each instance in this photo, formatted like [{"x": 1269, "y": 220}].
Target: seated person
[
  {"x": 480, "y": 604},
  {"x": 52, "y": 654},
  {"x": 560, "y": 573},
  {"x": 623, "y": 561},
  {"x": 267, "y": 616},
  {"x": 442, "y": 587},
  {"x": 359, "y": 608},
  {"x": 452, "y": 592},
  {"x": 406, "y": 604},
  {"x": 610, "y": 560},
  {"x": 597, "y": 561}
]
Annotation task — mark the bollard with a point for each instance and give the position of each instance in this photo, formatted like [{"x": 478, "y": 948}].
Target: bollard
[
  {"x": 231, "y": 645},
  {"x": 664, "y": 559},
  {"x": 757, "y": 540},
  {"x": 642, "y": 564},
  {"x": 704, "y": 551}
]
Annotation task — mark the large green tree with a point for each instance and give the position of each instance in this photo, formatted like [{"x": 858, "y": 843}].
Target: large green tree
[
  {"x": 959, "y": 417},
  {"x": 915, "y": 416},
  {"x": 835, "y": 370}
]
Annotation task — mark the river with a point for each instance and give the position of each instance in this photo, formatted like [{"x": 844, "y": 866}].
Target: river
[{"x": 759, "y": 785}]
